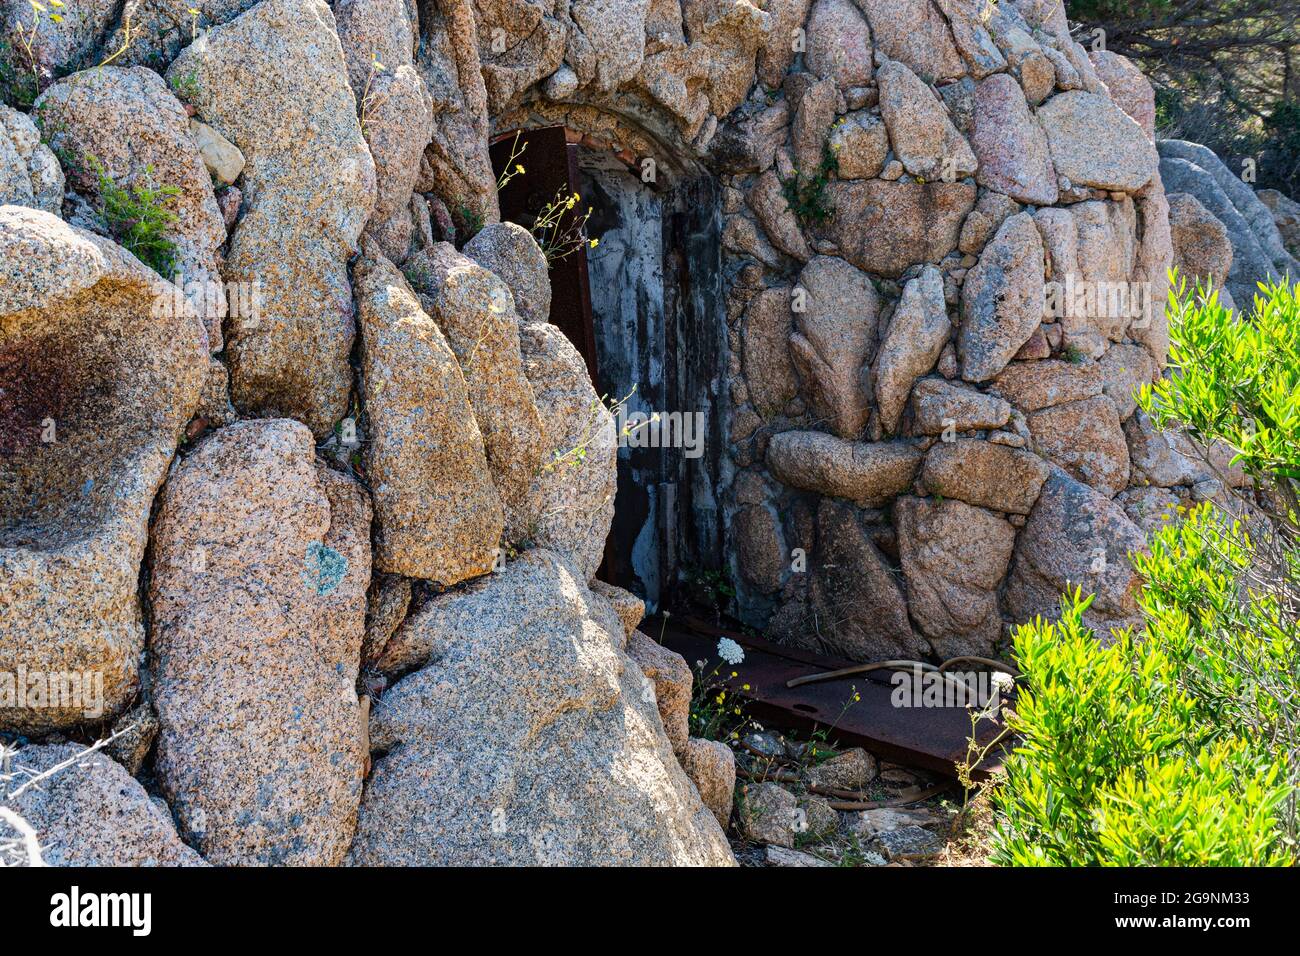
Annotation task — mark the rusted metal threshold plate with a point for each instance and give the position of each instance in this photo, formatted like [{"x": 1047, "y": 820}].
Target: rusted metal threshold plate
[{"x": 929, "y": 738}]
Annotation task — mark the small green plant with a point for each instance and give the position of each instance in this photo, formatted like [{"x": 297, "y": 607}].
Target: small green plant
[
  {"x": 806, "y": 195},
  {"x": 371, "y": 98},
  {"x": 18, "y": 86},
  {"x": 559, "y": 230},
  {"x": 472, "y": 222},
  {"x": 717, "y": 713},
  {"x": 1074, "y": 355},
  {"x": 513, "y": 167},
  {"x": 138, "y": 216},
  {"x": 187, "y": 88}
]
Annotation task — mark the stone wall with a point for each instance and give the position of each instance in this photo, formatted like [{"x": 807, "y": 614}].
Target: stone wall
[
  {"x": 945, "y": 245},
  {"x": 364, "y": 467}
]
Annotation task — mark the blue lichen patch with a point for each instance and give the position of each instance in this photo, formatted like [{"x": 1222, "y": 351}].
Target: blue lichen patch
[{"x": 324, "y": 569}]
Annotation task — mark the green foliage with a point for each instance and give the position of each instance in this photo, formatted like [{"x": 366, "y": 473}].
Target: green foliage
[
  {"x": 1236, "y": 381},
  {"x": 1128, "y": 757},
  {"x": 806, "y": 195},
  {"x": 1180, "y": 745},
  {"x": 186, "y": 88},
  {"x": 138, "y": 216},
  {"x": 18, "y": 87},
  {"x": 716, "y": 713}
]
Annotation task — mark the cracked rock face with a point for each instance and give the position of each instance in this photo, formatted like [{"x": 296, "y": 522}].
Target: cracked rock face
[
  {"x": 125, "y": 125},
  {"x": 30, "y": 175},
  {"x": 575, "y": 483},
  {"x": 439, "y": 514},
  {"x": 93, "y": 813},
  {"x": 274, "y": 82},
  {"x": 96, "y": 383},
  {"x": 527, "y": 739},
  {"x": 260, "y": 570},
  {"x": 1076, "y": 537}
]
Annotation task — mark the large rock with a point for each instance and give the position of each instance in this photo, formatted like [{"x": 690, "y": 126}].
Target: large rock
[
  {"x": 261, "y": 560},
  {"x": 886, "y": 227},
  {"x": 765, "y": 352},
  {"x": 788, "y": 17},
  {"x": 712, "y": 768},
  {"x": 916, "y": 33},
  {"x": 1033, "y": 385},
  {"x": 985, "y": 474},
  {"x": 124, "y": 125},
  {"x": 1084, "y": 438},
  {"x": 1252, "y": 210},
  {"x": 397, "y": 122},
  {"x": 835, "y": 340},
  {"x": 1155, "y": 257},
  {"x": 1100, "y": 299},
  {"x": 1124, "y": 370},
  {"x": 458, "y": 162},
  {"x": 1286, "y": 216},
  {"x": 1010, "y": 145},
  {"x": 510, "y": 252},
  {"x": 1128, "y": 87},
  {"x": 96, "y": 385},
  {"x": 860, "y": 143},
  {"x": 529, "y": 738},
  {"x": 1250, "y": 265},
  {"x": 475, "y": 311},
  {"x": 856, "y": 605},
  {"x": 439, "y": 514},
  {"x": 972, "y": 37},
  {"x": 817, "y": 110},
  {"x": 954, "y": 557},
  {"x": 394, "y": 105},
  {"x": 761, "y": 553},
  {"x": 671, "y": 677},
  {"x": 868, "y": 473},
  {"x": 575, "y": 487},
  {"x": 29, "y": 173},
  {"x": 923, "y": 137},
  {"x": 1095, "y": 143},
  {"x": 917, "y": 334},
  {"x": 1202, "y": 249},
  {"x": 991, "y": 210},
  {"x": 520, "y": 43},
  {"x": 767, "y": 199},
  {"x": 839, "y": 43},
  {"x": 274, "y": 82},
  {"x": 1001, "y": 299},
  {"x": 92, "y": 812},
  {"x": 940, "y": 407},
  {"x": 1075, "y": 537}
]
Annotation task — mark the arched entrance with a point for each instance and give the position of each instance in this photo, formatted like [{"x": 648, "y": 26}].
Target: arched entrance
[{"x": 645, "y": 309}]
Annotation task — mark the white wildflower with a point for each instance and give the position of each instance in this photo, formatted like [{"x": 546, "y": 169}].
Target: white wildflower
[{"x": 730, "y": 651}]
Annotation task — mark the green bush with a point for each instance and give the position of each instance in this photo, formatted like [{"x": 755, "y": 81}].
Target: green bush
[
  {"x": 139, "y": 217},
  {"x": 1180, "y": 744}
]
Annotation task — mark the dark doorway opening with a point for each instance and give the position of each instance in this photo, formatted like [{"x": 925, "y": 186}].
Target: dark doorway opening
[{"x": 644, "y": 307}]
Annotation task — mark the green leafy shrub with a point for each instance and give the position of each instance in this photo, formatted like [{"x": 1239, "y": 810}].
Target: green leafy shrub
[
  {"x": 806, "y": 195},
  {"x": 1180, "y": 744},
  {"x": 138, "y": 216}
]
